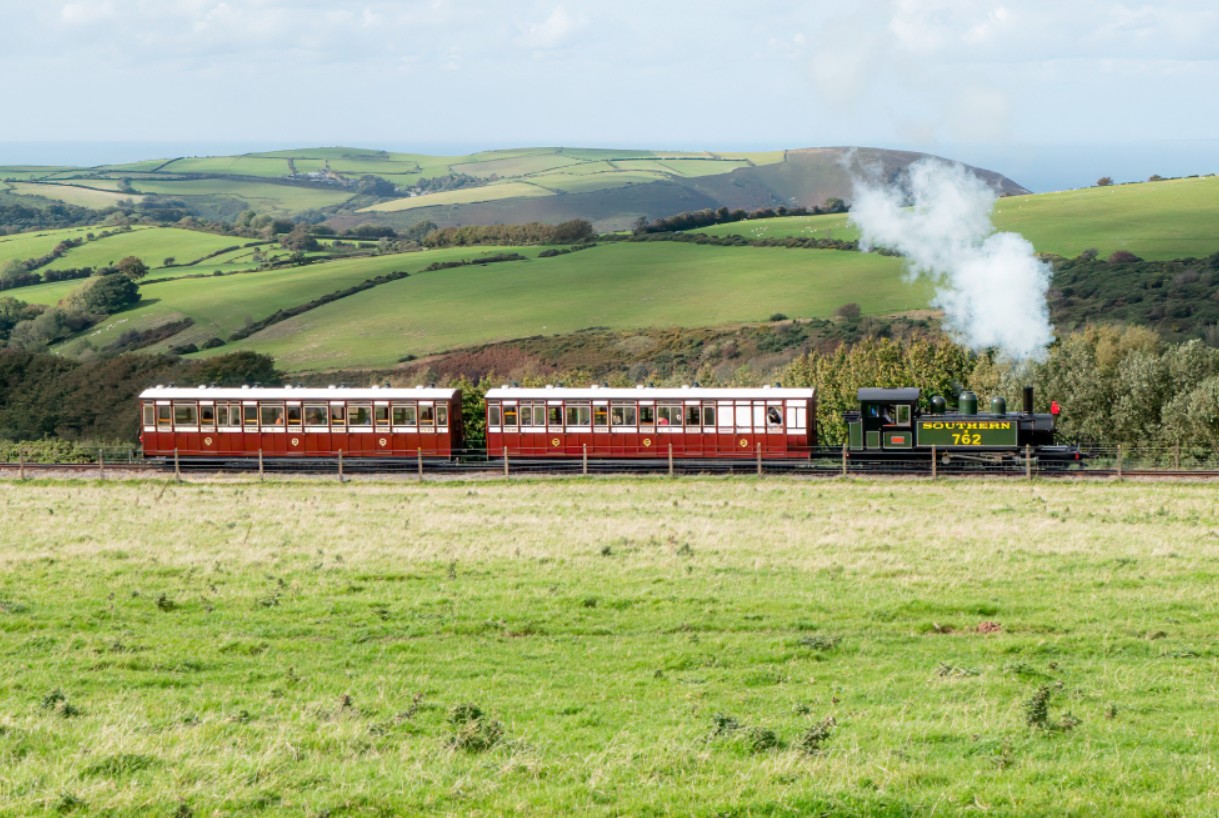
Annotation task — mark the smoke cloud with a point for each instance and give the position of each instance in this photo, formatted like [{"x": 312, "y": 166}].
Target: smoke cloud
[{"x": 991, "y": 286}]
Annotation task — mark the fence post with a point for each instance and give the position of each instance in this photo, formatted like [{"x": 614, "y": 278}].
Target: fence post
[
  {"x": 1028, "y": 461},
  {"x": 101, "y": 465},
  {"x": 340, "y": 465},
  {"x": 670, "y": 459},
  {"x": 844, "y": 459},
  {"x": 20, "y": 465},
  {"x": 1176, "y": 456},
  {"x": 584, "y": 459},
  {"x": 935, "y": 464},
  {"x": 260, "y": 472},
  {"x": 177, "y": 467},
  {"x": 419, "y": 461},
  {"x": 1119, "y": 460},
  {"x": 505, "y": 461},
  {"x": 759, "y": 459}
]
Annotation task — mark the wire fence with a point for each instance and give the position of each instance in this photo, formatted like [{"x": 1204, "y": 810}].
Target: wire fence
[{"x": 1092, "y": 460}]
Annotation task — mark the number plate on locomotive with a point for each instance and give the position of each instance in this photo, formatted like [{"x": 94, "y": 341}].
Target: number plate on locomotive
[{"x": 966, "y": 433}]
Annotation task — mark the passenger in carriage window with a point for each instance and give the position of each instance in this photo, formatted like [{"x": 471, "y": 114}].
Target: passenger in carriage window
[{"x": 774, "y": 417}]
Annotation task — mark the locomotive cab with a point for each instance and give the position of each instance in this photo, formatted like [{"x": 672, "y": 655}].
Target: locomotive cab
[{"x": 885, "y": 420}]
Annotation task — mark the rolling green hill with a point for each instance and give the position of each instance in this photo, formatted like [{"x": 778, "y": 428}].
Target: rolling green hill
[
  {"x": 611, "y": 188},
  {"x": 1174, "y": 218},
  {"x": 617, "y": 285}
]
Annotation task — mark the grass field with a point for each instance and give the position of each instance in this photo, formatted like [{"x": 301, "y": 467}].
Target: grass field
[
  {"x": 263, "y": 196},
  {"x": 468, "y": 195},
  {"x": 1175, "y": 218},
  {"x": 221, "y": 306},
  {"x": 72, "y": 194},
  {"x": 152, "y": 244},
  {"x": 615, "y": 286},
  {"x": 37, "y": 243},
  {"x": 649, "y": 647}
]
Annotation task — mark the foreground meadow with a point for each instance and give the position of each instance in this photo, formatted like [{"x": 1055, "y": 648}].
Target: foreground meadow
[{"x": 710, "y": 647}]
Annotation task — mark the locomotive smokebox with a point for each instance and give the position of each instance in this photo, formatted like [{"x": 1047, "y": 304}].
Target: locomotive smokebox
[{"x": 1028, "y": 400}]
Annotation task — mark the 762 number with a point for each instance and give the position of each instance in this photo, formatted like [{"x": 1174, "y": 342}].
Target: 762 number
[{"x": 966, "y": 439}]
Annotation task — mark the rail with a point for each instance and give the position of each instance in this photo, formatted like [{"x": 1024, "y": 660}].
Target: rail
[{"x": 1100, "y": 461}]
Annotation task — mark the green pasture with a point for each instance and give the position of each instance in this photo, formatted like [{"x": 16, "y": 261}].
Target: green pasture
[
  {"x": 597, "y": 181},
  {"x": 22, "y": 172},
  {"x": 229, "y": 165},
  {"x": 73, "y": 194},
  {"x": 756, "y": 157},
  {"x": 152, "y": 244},
  {"x": 37, "y": 243},
  {"x": 142, "y": 166},
  {"x": 469, "y": 195},
  {"x": 222, "y": 305},
  {"x": 1176, "y": 218},
  {"x": 832, "y": 225},
  {"x": 261, "y": 196},
  {"x": 616, "y": 286},
  {"x": 531, "y": 164},
  {"x": 608, "y": 647},
  {"x": 682, "y": 167}
]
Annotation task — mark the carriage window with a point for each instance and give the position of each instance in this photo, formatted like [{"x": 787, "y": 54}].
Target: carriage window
[
  {"x": 315, "y": 414},
  {"x": 272, "y": 414},
  {"x": 250, "y": 414},
  {"x": 427, "y": 414},
  {"x": 405, "y": 414},
  {"x": 692, "y": 415},
  {"x": 207, "y": 415},
  {"x": 600, "y": 415},
  {"x": 709, "y": 415},
  {"x": 338, "y": 415},
  {"x": 381, "y": 414},
  {"x": 668, "y": 414},
  {"x": 186, "y": 414},
  {"x": 493, "y": 418},
  {"x": 647, "y": 415},
  {"x": 150, "y": 414},
  {"x": 577, "y": 414},
  {"x": 555, "y": 413},
  {"x": 294, "y": 416},
  {"x": 222, "y": 415},
  {"x": 773, "y": 416},
  {"x": 359, "y": 414},
  {"x": 526, "y": 410},
  {"x": 623, "y": 414},
  {"x": 509, "y": 415},
  {"x": 903, "y": 414},
  {"x": 165, "y": 415},
  {"x": 442, "y": 415}
]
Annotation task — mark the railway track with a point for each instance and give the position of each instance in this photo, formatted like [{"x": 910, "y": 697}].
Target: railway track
[{"x": 541, "y": 469}]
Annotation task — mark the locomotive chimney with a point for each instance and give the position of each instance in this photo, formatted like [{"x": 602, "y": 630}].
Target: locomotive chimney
[{"x": 1028, "y": 400}]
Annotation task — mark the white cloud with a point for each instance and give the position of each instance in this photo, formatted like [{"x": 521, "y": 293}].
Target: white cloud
[{"x": 554, "y": 31}]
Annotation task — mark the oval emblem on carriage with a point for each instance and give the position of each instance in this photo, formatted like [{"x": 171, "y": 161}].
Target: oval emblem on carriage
[
  {"x": 554, "y": 441},
  {"x": 383, "y": 441},
  {"x": 296, "y": 441},
  {"x": 647, "y": 441},
  {"x": 744, "y": 443},
  {"x": 207, "y": 441}
]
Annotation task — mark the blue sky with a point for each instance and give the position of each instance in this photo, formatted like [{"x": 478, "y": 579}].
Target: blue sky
[{"x": 1027, "y": 83}]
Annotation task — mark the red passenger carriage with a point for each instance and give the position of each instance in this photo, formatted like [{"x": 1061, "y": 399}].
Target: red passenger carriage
[
  {"x": 691, "y": 422},
  {"x": 300, "y": 422}
]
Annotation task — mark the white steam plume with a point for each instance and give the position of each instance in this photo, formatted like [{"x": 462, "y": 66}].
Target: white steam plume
[{"x": 991, "y": 286}]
